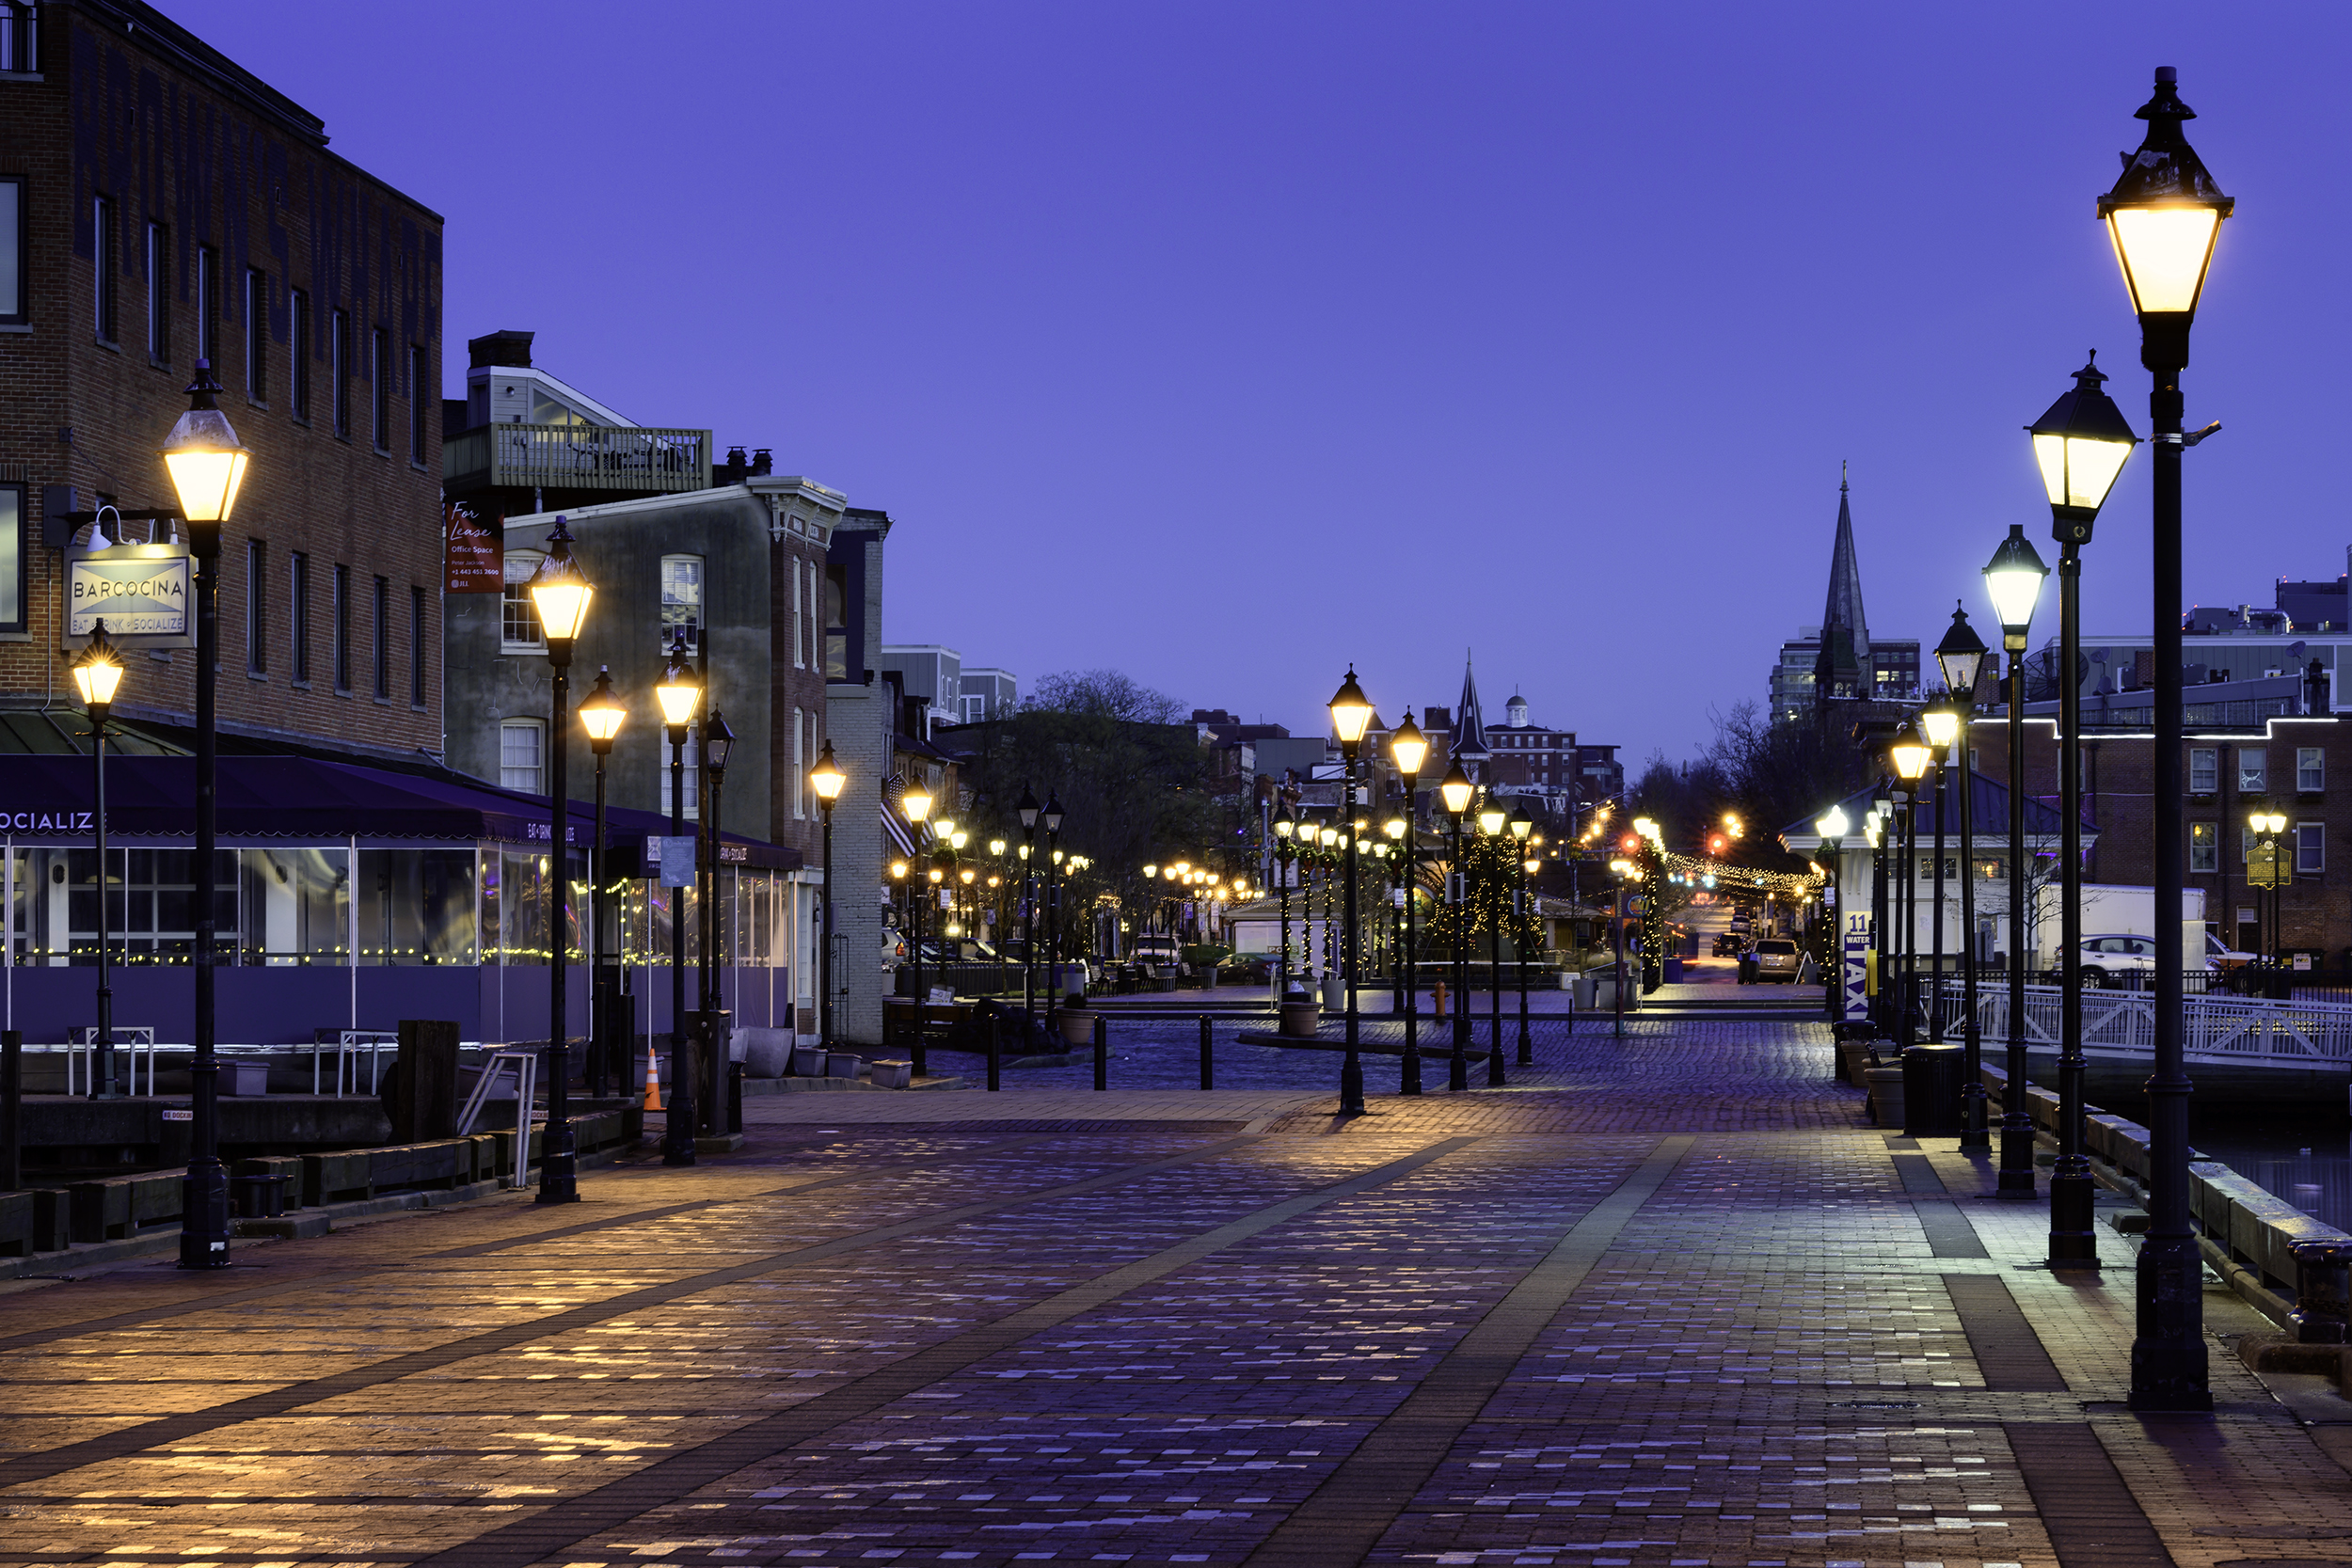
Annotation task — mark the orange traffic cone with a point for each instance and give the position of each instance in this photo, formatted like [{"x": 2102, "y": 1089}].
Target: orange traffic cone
[{"x": 653, "y": 1081}]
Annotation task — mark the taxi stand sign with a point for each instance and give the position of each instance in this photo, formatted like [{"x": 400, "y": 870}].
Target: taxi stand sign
[{"x": 142, "y": 592}]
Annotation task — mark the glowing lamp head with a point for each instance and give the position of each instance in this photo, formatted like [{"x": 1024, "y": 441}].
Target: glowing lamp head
[
  {"x": 2163, "y": 215},
  {"x": 1408, "y": 749},
  {"x": 995, "y": 846},
  {"x": 680, "y": 690},
  {"x": 1908, "y": 752},
  {"x": 1053, "y": 813},
  {"x": 1350, "y": 713},
  {"x": 1284, "y": 827},
  {"x": 1521, "y": 824},
  {"x": 559, "y": 590},
  {"x": 98, "y": 672},
  {"x": 203, "y": 456},
  {"x": 1961, "y": 656},
  {"x": 1394, "y": 827},
  {"x": 1455, "y": 789},
  {"x": 2013, "y": 580},
  {"x": 915, "y": 802},
  {"x": 1941, "y": 720},
  {"x": 602, "y": 714},
  {"x": 1831, "y": 824},
  {"x": 1330, "y": 837},
  {"x": 1151, "y": 870},
  {"x": 898, "y": 870},
  {"x": 2080, "y": 443},
  {"x": 827, "y": 778},
  {"x": 956, "y": 840},
  {"x": 1028, "y": 807}
]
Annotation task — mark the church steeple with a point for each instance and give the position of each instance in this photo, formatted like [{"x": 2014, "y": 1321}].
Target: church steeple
[
  {"x": 1469, "y": 728},
  {"x": 1843, "y": 668}
]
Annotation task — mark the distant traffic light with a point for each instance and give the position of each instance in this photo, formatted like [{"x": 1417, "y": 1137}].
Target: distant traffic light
[
  {"x": 1716, "y": 844},
  {"x": 1632, "y": 844}
]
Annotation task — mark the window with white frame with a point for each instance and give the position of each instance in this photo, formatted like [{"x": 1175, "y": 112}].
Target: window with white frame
[
  {"x": 2310, "y": 848},
  {"x": 693, "y": 778},
  {"x": 798, "y": 662},
  {"x": 518, "y": 618},
  {"x": 2204, "y": 847},
  {"x": 799, "y": 767},
  {"x": 159, "y": 293},
  {"x": 682, "y": 599},
  {"x": 15, "y": 249},
  {"x": 2203, "y": 770},
  {"x": 2253, "y": 771},
  {"x": 2310, "y": 769},
  {"x": 522, "y": 753}
]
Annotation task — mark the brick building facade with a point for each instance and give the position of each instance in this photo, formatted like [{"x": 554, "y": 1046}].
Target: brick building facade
[
  {"x": 164, "y": 205},
  {"x": 2298, "y": 766}
]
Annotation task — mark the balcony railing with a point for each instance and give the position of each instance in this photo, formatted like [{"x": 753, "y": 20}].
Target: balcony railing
[{"x": 578, "y": 458}]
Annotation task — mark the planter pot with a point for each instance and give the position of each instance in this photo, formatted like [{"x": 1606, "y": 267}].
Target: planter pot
[
  {"x": 242, "y": 1078},
  {"x": 1077, "y": 1028},
  {"x": 843, "y": 1064},
  {"x": 808, "y": 1062},
  {"x": 1300, "y": 1018},
  {"x": 892, "y": 1075},
  {"x": 1886, "y": 1095},
  {"x": 767, "y": 1053}
]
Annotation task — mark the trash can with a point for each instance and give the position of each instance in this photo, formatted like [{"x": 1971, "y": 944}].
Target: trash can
[{"x": 1933, "y": 1080}]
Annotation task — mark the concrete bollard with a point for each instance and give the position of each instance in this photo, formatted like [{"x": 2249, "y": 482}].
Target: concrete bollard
[
  {"x": 2322, "y": 1291},
  {"x": 995, "y": 1050},
  {"x": 1208, "y": 1070},
  {"x": 1101, "y": 1053}
]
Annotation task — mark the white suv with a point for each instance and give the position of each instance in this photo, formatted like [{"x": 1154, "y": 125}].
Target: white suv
[{"x": 2117, "y": 961}]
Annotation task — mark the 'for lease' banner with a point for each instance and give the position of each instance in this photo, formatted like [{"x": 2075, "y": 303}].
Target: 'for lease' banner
[{"x": 475, "y": 558}]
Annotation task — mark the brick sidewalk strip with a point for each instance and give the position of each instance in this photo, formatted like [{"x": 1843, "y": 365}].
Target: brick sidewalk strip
[
  {"x": 1666, "y": 1301},
  {"x": 578, "y": 1519},
  {"x": 1347, "y": 1514}
]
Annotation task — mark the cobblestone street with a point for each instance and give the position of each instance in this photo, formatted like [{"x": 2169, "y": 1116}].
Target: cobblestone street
[{"x": 1666, "y": 1300}]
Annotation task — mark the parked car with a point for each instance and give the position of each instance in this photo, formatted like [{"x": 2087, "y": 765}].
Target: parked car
[
  {"x": 2118, "y": 960},
  {"x": 2220, "y": 957},
  {"x": 1729, "y": 945},
  {"x": 1777, "y": 959}
]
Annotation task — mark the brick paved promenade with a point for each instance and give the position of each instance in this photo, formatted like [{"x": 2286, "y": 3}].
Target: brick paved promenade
[{"x": 1663, "y": 1301}]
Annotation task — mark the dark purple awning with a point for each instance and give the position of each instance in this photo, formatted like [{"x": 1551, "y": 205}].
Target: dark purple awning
[{"x": 306, "y": 800}]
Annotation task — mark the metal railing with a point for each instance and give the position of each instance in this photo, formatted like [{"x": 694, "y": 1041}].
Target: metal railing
[
  {"x": 2254, "y": 1032},
  {"x": 578, "y": 458}
]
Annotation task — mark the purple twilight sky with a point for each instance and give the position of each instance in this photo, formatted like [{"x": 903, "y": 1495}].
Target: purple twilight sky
[{"x": 1225, "y": 343}]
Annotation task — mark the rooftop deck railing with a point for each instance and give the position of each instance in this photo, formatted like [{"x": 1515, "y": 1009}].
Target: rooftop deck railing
[{"x": 637, "y": 461}]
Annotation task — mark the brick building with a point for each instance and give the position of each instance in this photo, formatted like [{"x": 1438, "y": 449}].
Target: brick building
[
  {"x": 2297, "y": 766},
  {"x": 162, "y": 204}
]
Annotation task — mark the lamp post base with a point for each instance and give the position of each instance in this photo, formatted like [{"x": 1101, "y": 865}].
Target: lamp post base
[
  {"x": 1352, "y": 1085},
  {"x": 204, "y": 1216},
  {"x": 2169, "y": 1369},
  {"x": 2072, "y": 1199}
]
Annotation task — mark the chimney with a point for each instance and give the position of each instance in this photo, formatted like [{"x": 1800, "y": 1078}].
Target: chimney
[
  {"x": 762, "y": 463},
  {"x": 733, "y": 471},
  {"x": 509, "y": 350}
]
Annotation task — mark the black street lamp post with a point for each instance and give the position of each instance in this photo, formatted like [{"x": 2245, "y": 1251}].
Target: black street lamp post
[
  {"x": 679, "y": 693},
  {"x": 1491, "y": 818},
  {"x": 1028, "y": 811},
  {"x": 1052, "y": 817},
  {"x": 96, "y": 674},
  {"x": 1910, "y": 754},
  {"x": 827, "y": 779},
  {"x": 2014, "y": 579},
  {"x": 915, "y": 802},
  {"x": 207, "y": 466},
  {"x": 2081, "y": 443},
  {"x": 1521, "y": 825},
  {"x": 1350, "y": 715},
  {"x": 2164, "y": 214},
  {"x": 718, "y": 742},
  {"x": 561, "y": 594},
  {"x": 1409, "y": 749},
  {"x": 602, "y": 716},
  {"x": 1833, "y": 826},
  {"x": 1455, "y": 789},
  {"x": 1962, "y": 655}
]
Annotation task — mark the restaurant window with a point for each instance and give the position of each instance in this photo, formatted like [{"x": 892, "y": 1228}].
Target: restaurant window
[
  {"x": 518, "y": 618},
  {"x": 159, "y": 293},
  {"x": 379, "y": 391},
  {"x": 299, "y": 617},
  {"x": 207, "y": 306},
  {"x": 256, "y": 334},
  {"x": 382, "y": 609},
  {"x": 416, "y": 647},
  {"x": 2310, "y": 848},
  {"x": 521, "y": 744},
  {"x": 682, "y": 599},
  {"x": 2203, "y": 772},
  {"x": 102, "y": 217},
  {"x": 13, "y": 250},
  {"x": 416, "y": 906},
  {"x": 2310, "y": 769},
  {"x": 12, "y": 557},
  {"x": 2253, "y": 771},
  {"x": 297, "y": 906},
  {"x": 256, "y": 607},
  {"x": 338, "y": 370},
  {"x": 339, "y": 630},
  {"x": 2204, "y": 847},
  {"x": 417, "y": 403},
  {"x": 298, "y": 355}
]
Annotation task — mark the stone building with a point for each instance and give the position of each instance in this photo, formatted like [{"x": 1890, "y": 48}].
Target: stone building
[{"x": 162, "y": 204}]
